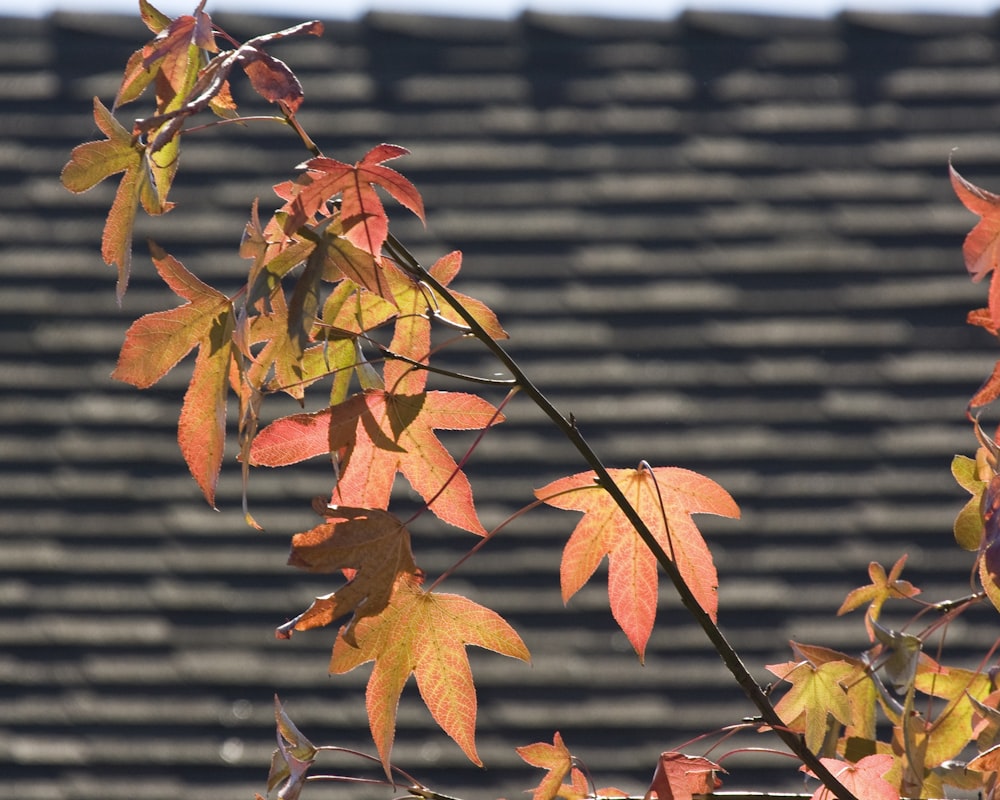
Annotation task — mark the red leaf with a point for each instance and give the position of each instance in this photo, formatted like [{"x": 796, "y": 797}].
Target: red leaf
[
  {"x": 863, "y": 779},
  {"x": 605, "y": 531},
  {"x": 678, "y": 777},
  {"x": 982, "y": 246},
  {"x": 365, "y": 222}
]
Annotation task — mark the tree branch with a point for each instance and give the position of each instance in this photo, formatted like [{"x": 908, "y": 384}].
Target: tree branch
[{"x": 726, "y": 652}]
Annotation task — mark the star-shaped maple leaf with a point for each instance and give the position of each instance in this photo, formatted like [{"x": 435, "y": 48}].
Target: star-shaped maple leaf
[
  {"x": 662, "y": 496},
  {"x": 882, "y": 588},
  {"x": 364, "y": 219},
  {"x": 372, "y": 545},
  {"x": 679, "y": 777},
  {"x": 92, "y": 162},
  {"x": 425, "y": 634},
  {"x": 381, "y": 434},
  {"x": 557, "y": 762},
  {"x": 156, "y": 342},
  {"x": 863, "y": 779},
  {"x": 818, "y": 692}
]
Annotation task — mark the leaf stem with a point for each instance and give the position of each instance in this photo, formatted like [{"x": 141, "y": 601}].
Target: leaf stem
[{"x": 568, "y": 427}]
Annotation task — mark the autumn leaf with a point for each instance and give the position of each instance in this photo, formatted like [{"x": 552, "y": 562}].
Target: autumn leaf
[
  {"x": 865, "y": 779},
  {"x": 373, "y": 544},
  {"x": 989, "y": 549},
  {"x": 986, "y": 720},
  {"x": 817, "y": 692},
  {"x": 949, "y": 732},
  {"x": 678, "y": 777},
  {"x": 425, "y": 634},
  {"x": 968, "y": 525},
  {"x": 981, "y": 248},
  {"x": 861, "y": 691},
  {"x": 92, "y": 162},
  {"x": 664, "y": 496},
  {"x": 418, "y": 303},
  {"x": 290, "y": 763},
  {"x": 365, "y": 222},
  {"x": 156, "y": 342},
  {"x": 882, "y": 588},
  {"x": 382, "y": 434},
  {"x": 556, "y": 760}
]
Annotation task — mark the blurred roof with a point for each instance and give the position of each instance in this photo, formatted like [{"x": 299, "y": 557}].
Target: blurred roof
[{"x": 724, "y": 242}]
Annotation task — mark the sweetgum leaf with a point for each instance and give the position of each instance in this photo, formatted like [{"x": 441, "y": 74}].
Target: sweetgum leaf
[
  {"x": 989, "y": 552},
  {"x": 382, "y": 434},
  {"x": 982, "y": 246},
  {"x": 92, "y": 162},
  {"x": 968, "y": 527},
  {"x": 555, "y": 759},
  {"x": 155, "y": 343},
  {"x": 201, "y": 429},
  {"x": 425, "y": 634},
  {"x": 818, "y": 691},
  {"x": 374, "y": 544},
  {"x": 950, "y": 733},
  {"x": 290, "y": 763},
  {"x": 679, "y": 777},
  {"x": 865, "y": 779},
  {"x": 325, "y": 178},
  {"x": 882, "y": 588},
  {"x": 605, "y": 531}
]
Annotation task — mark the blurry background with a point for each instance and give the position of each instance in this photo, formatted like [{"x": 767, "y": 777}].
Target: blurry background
[
  {"x": 647, "y": 9},
  {"x": 722, "y": 241}
]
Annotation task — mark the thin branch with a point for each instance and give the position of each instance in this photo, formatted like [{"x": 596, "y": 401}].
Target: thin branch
[{"x": 567, "y": 426}]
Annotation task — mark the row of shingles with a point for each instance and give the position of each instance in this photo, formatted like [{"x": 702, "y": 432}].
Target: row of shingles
[
  {"x": 187, "y": 586},
  {"x": 439, "y": 130},
  {"x": 110, "y": 609},
  {"x": 902, "y": 492},
  {"x": 834, "y": 333},
  {"x": 899, "y": 483},
  {"x": 547, "y": 206},
  {"x": 497, "y": 221},
  {"x": 42, "y": 644}
]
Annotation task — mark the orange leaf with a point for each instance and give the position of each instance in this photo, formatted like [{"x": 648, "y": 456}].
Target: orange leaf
[
  {"x": 156, "y": 342},
  {"x": 982, "y": 246},
  {"x": 605, "y": 531},
  {"x": 425, "y": 634},
  {"x": 417, "y": 303},
  {"x": 382, "y": 434},
  {"x": 555, "y": 758},
  {"x": 92, "y": 162},
  {"x": 865, "y": 779},
  {"x": 878, "y": 591},
  {"x": 201, "y": 429},
  {"x": 372, "y": 543},
  {"x": 678, "y": 777}
]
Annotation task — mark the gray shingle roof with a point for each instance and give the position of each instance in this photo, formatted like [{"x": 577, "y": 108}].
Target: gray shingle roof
[{"x": 725, "y": 242}]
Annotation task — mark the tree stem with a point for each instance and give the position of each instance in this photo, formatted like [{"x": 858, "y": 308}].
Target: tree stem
[{"x": 726, "y": 652}]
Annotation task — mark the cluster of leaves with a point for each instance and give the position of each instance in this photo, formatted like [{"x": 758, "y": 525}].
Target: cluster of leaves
[{"x": 338, "y": 315}]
